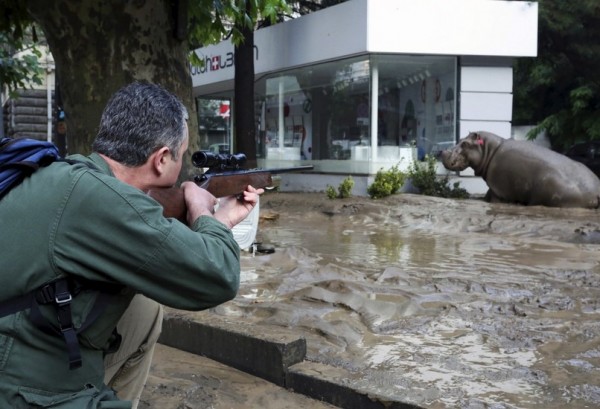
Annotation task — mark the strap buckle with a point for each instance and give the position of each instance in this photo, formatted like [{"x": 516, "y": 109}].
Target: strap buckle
[
  {"x": 45, "y": 294},
  {"x": 63, "y": 298}
]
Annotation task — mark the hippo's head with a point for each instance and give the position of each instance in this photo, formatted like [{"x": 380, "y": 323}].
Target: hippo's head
[{"x": 468, "y": 152}]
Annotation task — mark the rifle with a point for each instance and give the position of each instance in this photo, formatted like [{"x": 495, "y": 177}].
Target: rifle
[{"x": 224, "y": 177}]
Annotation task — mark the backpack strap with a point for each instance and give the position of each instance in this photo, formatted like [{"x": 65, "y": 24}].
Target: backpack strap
[
  {"x": 62, "y": 302},
  {"x": 60, "y": 293}
]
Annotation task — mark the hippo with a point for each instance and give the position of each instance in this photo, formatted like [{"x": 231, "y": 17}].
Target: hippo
[{"x": 524, "y": 173}]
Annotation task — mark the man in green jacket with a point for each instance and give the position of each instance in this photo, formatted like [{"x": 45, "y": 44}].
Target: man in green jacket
[{"x": 94, "y": 258}]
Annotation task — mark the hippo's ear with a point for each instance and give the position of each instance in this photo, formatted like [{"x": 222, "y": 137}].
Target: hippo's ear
[{"x": 474, "y": 139}]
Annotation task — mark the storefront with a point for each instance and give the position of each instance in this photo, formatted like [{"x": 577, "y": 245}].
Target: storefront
[{"x": 372, "y": 83}]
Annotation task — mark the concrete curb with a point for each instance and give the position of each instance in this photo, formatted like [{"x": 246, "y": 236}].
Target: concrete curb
[
  {"x": 240, "y": 346},
  {"x": 277, "y": 356},
  {"x": 335, "y": 386}
]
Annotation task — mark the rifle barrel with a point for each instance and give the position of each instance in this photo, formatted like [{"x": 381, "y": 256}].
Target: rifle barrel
[
  {"x": 272, "y": 171},
  {"x": 286, "y": 170}
]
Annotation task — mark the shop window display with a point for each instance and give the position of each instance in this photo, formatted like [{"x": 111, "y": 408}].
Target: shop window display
[{"x": 324, "y": 113}]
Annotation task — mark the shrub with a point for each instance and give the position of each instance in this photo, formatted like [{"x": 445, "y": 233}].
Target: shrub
[
  {"x": 387, "y": 182},
  {"x": 331, "y": 192},
  {"x": 424, "y": 178},
  {"x": 344, "y": 189}
]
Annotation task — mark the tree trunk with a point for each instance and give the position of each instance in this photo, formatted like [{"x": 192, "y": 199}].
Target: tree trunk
[
  {"x": 244, "y": 116},
  {"x": 100, "y": 46}
]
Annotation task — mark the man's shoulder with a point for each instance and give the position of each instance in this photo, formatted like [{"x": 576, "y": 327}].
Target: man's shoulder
[
  {"x": 93, "y": 162},
  {"x": 87, "y": 176}
]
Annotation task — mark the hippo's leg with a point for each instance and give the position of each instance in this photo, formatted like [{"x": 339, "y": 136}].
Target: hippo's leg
[
  {"x": 488, "y": 196},
  {"x": 491, "y": 197}
]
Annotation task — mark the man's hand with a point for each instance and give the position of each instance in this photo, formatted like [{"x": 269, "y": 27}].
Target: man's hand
[
  {"x": 234, "y": 209},
  {"x": 199, "y": 202},
  {"x": 230, "y": 211}
]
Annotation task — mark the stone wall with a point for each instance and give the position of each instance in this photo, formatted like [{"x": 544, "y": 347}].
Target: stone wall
[{"x": 26, "y": 116}]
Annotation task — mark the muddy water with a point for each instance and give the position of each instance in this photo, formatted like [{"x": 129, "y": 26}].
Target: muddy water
[{"x": 441, "y": 303}]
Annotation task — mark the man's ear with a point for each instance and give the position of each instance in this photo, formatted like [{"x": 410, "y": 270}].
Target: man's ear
[{"x": 159, "y": 159}]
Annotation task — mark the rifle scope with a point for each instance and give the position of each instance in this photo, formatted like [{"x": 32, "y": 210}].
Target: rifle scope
[{"x": 208, "y": 159}]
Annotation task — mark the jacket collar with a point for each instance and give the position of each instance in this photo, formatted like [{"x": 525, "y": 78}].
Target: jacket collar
[{"x": 94, "y": 161}]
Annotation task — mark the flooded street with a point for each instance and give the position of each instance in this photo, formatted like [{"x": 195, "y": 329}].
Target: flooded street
[{"x": 437, "y": 302}]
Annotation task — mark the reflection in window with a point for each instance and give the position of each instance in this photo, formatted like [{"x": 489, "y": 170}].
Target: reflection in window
[
  {"x": 214, "y": 123},
  {"x": 418, "y": 101},
  {"x": 348, "y": 122},
  {"x": 324, "y": 112}
]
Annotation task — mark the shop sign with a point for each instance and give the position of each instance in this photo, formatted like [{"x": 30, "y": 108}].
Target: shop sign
[{"x": 212, "y": 63}]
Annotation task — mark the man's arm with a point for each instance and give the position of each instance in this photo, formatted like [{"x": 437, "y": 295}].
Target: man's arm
[{"x": 231, "y": 183}]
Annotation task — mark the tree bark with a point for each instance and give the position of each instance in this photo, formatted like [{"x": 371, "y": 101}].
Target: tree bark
[
  {"x": 100, "y": 46},
  {"x": 243, "y": 114}
]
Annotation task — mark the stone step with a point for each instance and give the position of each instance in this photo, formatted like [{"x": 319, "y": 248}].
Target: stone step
[
  {"x": 179, "y": 380},
  {"x": 276, "y": 355},
  {"x": 258, "y": 351}
]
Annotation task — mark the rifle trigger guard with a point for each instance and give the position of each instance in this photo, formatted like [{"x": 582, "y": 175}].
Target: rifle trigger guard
[{"x": 200, "y": 178}]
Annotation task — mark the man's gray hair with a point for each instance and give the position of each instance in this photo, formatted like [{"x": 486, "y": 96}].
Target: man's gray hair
[{"x": 139, "y": 119}]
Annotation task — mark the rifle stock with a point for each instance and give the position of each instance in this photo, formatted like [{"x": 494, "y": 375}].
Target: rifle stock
[
  {"x": 172, "y": 201},
  {"x": 220, "y": 185}
]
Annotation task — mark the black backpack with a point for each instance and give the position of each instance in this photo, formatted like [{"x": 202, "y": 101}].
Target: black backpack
[{"x": 19, "y": 158}]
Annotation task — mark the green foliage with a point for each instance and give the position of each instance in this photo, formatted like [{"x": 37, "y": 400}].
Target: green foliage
[
  {"x": 386, "y": 183},
  {"x": 344, "y": 189},
  {"x": 213, "y": 20},
  {"x": 424, "y": 178},
  {"x": 331, "y": 192},
  {"x": 560, "y": 89},
  {"x": 19, "y": 62},
  {"x": 18, "y": 53}
]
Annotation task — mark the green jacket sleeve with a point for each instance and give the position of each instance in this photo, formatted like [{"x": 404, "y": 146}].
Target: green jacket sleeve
[{"x": 110, "y": 231}]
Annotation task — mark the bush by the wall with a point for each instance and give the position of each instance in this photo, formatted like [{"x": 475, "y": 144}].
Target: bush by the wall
[
  {"x": 423, "y": 177},
  {"x": 387, "y": 182},
  {"x": 344, "y": 189}
]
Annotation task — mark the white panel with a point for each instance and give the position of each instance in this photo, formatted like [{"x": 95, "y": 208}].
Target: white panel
[
  {"x": 500, "y": 128},
  {"x": 485, "y": 106},
  {"x": 332, "y": 33},
  {"x": 461, "y": 27},
  {"x": 448, "y": 27},
  {"x": 490, "y": 79},
  {"x": 223, "y": 52}
]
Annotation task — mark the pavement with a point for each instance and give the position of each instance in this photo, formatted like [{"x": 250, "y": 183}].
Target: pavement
[
  {"x": 204, "y": 360},
  {"x": 183, "y": 380}
]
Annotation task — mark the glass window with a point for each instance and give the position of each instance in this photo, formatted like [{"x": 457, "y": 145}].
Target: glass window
[
  {"x": 326, "y": 113},
  {"x": 416, "y": 104},
  {"x": 214, "y": 124},
  {"x": 310, "y": 113}
]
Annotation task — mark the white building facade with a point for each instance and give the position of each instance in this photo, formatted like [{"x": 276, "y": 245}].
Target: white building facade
[{"x": 369, "y": 84}]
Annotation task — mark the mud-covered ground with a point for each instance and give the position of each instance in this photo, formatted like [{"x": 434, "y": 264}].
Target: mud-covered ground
[{"x": 438, "y": 302}]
